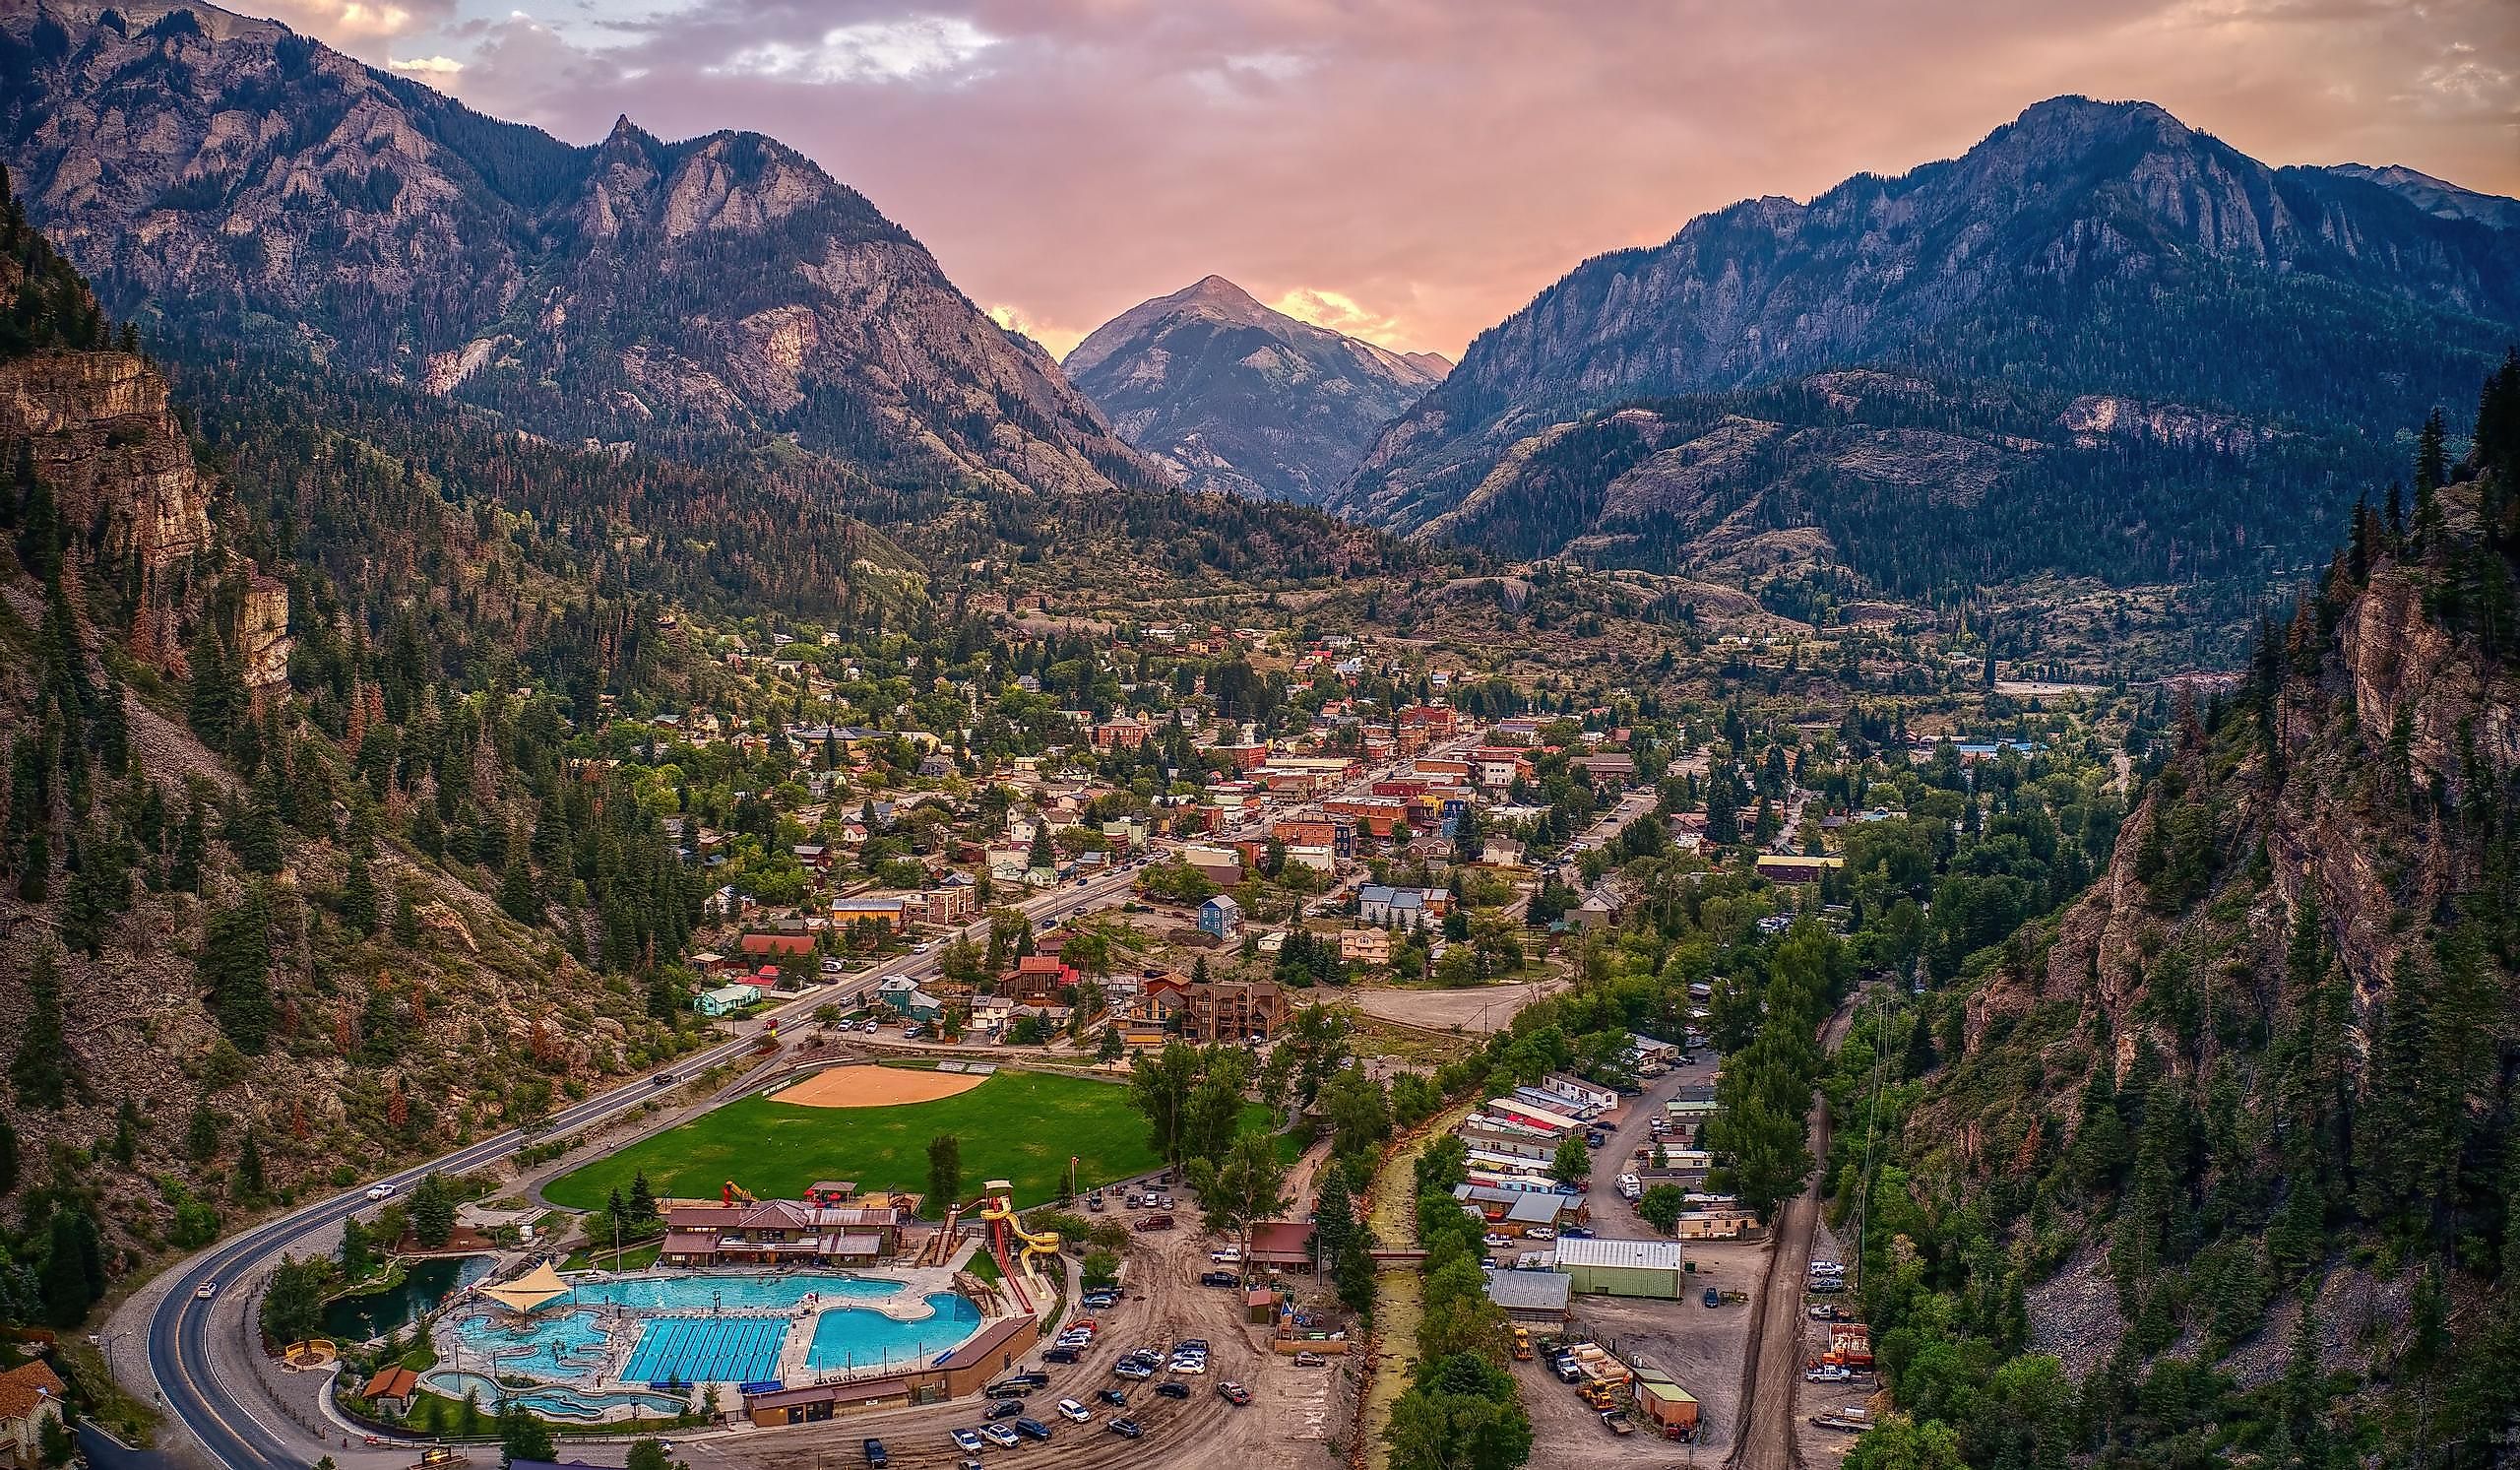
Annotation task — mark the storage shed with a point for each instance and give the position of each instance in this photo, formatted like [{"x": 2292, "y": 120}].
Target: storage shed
[{"x": 1622, "y": 1268}]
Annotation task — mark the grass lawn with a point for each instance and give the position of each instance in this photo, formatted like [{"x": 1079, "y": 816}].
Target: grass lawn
[{"x": 1019, "y": 1127}]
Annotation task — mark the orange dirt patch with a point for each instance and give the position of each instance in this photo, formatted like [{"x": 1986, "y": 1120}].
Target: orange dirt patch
[{"x": 874, "y": 1087}]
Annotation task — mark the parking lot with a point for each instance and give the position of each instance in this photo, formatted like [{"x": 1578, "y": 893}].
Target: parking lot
[{"x": 1292, "y": 1413}]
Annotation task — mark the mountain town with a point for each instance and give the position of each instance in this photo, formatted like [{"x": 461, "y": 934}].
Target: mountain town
[{"x": 641, "y": 836}]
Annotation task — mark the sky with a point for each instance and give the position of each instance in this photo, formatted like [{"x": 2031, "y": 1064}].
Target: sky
[{"x": 1414, "y": 172}]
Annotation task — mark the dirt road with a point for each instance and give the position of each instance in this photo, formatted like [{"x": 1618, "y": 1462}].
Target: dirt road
[{"x": 1772, "y": 1368}]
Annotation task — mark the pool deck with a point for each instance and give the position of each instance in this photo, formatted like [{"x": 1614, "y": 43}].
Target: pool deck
[{"x": 620, "y": 1328}]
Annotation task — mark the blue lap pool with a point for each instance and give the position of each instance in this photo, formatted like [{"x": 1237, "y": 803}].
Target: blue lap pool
[{"x": 855, "y": 1337}]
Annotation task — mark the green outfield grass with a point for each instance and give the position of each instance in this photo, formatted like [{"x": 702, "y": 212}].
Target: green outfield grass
[{"x": 1019, "y": 1127}]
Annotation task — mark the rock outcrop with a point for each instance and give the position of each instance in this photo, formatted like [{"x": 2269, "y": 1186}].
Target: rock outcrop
[{"x": 98, "y": 432}]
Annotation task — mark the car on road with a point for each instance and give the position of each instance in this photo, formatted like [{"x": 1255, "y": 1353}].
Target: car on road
[
  {"x": 876, "y": 1454},
  {"x": 1173, "y": 1390},
  {"x": 661, "y": 1079},
  {"x": 1004, "y": 1408},
  {"x": 1712, "y": 1297},
  {"x": 206, "y": 1291},
  {"x": 380, "y": 1191},
  {"x": 1310, "y": 1360},
  {"x": 965, "y": 1440},
  {"x": 1126, "y": 1428},
  {"x": 1234, "y": 1393},
  {"x": 1071, "y": 1410}
]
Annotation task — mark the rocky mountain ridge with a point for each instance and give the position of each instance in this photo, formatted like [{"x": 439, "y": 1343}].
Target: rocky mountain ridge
[
  {"x": 1235, "y": 397},
  {"x": 238, "y": 179},
  {"x": 2085, "y": 248}
]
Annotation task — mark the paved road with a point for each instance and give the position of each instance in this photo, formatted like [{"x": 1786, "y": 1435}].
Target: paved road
[{"x": 183, "y": 1355}]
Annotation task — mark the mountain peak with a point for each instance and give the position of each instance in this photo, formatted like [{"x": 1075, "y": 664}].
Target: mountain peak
[{"x": 1240, "y": 398}]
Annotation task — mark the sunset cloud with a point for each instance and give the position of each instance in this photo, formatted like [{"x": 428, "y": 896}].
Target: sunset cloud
[{"x": 1414, "y": 171}]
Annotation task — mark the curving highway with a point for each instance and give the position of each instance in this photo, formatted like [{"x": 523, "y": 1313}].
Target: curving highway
[{"x": 181, "y": 1357}]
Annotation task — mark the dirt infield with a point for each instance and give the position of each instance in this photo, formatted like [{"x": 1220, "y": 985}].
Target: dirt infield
[{"x": 874, "y": 1087}]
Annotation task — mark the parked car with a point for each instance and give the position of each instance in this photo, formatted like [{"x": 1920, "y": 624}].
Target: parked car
[
  {"x": 1310, "y": 1360},
  {"x": 1220, "y": 1278},
  {"x": 1492, "y": 1240},
  {"x": 1126, "y": 1428},
  {"x": 1828, "y": 1284},
  {"x": 1117, "y": 1398},
  {"x": 1829, "y": 1373},
  {"x": 1031, "y": 1429},
  {"x": 1061, "y": 1354},
  {"x": 1575, "y": 1233},
  {"x": 1102, "y": 1301},
  {"x": 1094, "y": 1202},
  {"x": 1824, "y": 1312},
  {"x": 1015, "y": 1386},
  {"x": 1191, "y": 1366},
  {"x": 1130, "y": 1368},
  {"x": 1234, "y": 1393},
  {"x": 1130, "y": 1200},
  {"x": 873, "y": 1450},
  {"x": 1712, "y": 1297},
  {"x": 1566, "y": 1370},
  {"x": 1540, "y": 1233},
  {"x": 965, "y": 1440},
  {"x": 1156, "y": 1222},
  {"x": 1074, "y": 1412},
  {"x": 1173, "y": 1390},
  {"x": 1227, "y": 1256},
  {"x": 1000, "y": 1436},
  {"x": 1004, "y": 1408}
]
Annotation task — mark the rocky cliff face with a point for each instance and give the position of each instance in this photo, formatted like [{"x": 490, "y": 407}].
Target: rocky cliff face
[
  {"x": 242, "y": 180},
  {"x": 2273, "y": 1033},
  {"x": 98, "y": 430},
  {"x": 2221, "y": 282},
  {"x": 1231, "y": 396}
]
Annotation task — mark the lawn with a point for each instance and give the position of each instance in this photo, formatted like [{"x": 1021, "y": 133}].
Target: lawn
[{"x": 1019, "y": 1127}]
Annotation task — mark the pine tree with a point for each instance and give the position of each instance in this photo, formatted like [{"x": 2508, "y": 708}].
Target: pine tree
[
  {"x": 517, "y": 896},
  {"x": 41, "y": 1071},
  {"x": 235, "y": 967},
  {"x": 249, "y": 1182},
  {"x": 358, "y": 896},
  {"x": 201, "y": 1135}
]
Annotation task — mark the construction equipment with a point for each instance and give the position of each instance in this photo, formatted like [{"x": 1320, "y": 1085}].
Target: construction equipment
[
  {"x": 1849, "y": 1346},
  {"x": 1522, "y": 1344}
]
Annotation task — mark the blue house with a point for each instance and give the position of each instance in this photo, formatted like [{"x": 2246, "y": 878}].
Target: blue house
[
  {"x": 1221, "y": 916},
  {"x": 902, "y": 994}
]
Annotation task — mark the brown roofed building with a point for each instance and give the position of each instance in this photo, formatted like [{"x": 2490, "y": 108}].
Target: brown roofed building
[
  {"x": 1227, "y": 1010},
  {"x": 29, "y": 1395}
]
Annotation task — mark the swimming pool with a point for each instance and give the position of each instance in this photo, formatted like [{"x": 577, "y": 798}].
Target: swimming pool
[
  {"x": 555, "y": 1402},
  {"x": 763, "y": 1292},
  {"x": 554, "y": 1345},
  {"x": 709, "y": 1350},
  {"x": 854, "y": 1337}
]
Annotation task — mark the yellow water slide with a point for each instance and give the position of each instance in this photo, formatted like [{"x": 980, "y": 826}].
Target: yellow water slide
[{"x": 997, "y": 1207}]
